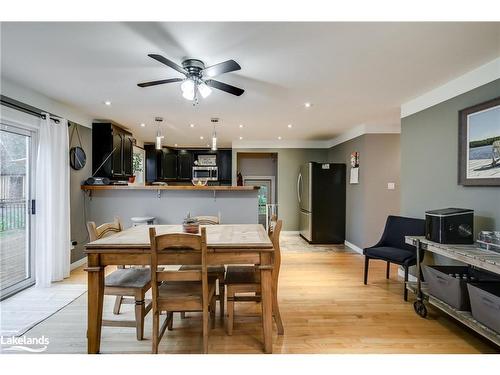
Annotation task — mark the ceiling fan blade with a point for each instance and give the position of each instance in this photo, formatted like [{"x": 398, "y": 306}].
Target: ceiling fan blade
[
  {"x": 224, "y": 87},
  {"x": 223, "y": 67},
  {"x": 160, "y": 82},
  {"x": 167, "y": 62}
]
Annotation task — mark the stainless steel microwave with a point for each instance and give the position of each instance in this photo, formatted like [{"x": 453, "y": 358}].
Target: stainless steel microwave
[{"x": 209, "y": 173}]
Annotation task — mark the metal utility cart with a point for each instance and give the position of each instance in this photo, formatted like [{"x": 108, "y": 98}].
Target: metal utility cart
[{"x": 481, "y": 258}]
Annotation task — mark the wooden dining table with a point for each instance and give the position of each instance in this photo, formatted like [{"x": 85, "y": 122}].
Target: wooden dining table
[{"x": 226, "y": 244}]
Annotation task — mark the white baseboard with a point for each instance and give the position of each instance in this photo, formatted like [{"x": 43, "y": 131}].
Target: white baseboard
[
  {"x": 290, "y": 232},
  {"x": 353, "y": 247},
  {"x": 78, "y": 263},
  {"x": 401, "y": 273}
]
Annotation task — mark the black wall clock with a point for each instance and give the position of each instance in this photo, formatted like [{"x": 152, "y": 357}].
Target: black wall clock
[{"x": 77, "y": 158}]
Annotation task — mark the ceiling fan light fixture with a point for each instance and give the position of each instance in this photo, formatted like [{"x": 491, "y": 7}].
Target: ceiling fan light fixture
[
  {"x": 204, "y": 90},
  {"x": 188, "y": 89}
]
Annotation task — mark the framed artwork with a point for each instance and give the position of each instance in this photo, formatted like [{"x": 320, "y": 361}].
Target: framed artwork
[{"x": 479, "y": 144}]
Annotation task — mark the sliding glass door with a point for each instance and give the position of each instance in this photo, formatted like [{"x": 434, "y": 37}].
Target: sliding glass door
[{"x": 16, "y": 194}]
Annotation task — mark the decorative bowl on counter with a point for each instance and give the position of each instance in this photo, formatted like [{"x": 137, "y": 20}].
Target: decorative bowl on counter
[
  {"x": 199, "y": 181},
  {"x": 191, "y": 225}
]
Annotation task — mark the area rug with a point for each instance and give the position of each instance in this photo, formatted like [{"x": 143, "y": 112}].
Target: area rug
[{"x": 26, "y": 309}]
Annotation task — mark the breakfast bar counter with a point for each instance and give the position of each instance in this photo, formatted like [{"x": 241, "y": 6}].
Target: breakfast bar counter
[{"x": 168, "y": 187}]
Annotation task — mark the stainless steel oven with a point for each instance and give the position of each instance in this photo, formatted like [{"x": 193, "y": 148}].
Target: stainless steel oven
[{"x": 209, "y": 173}]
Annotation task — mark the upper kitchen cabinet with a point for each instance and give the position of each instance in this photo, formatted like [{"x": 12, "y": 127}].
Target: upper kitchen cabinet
[
  {"x": 184, "y": 165},
  {"x": 111, "y": 150},
  {"x": 152, "y": 155},
  {"x": 167, "y": 164},
  {"x": 224, "y": 158}
]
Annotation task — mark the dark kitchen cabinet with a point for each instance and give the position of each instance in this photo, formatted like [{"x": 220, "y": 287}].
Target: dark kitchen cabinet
[
  {"x": 167, "y": 166},
  {"x": 151, "y": 163},
  {"x": 177, "y": 164},
  {"x": 224, "y": 164},
  {"x": 184, "y": 165},
  {"x": 111, "y": 151},
  {"x": 128, "y": 150}
]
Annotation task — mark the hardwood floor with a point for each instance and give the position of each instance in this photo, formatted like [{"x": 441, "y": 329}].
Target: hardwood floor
[{"x": 324, "y": 305}]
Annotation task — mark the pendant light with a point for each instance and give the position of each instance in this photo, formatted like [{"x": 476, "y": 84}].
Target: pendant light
[
  {"x": 214, "y": 140},
  {"x": 214, "y": 120},
  {"x": 158, "y": 133}
]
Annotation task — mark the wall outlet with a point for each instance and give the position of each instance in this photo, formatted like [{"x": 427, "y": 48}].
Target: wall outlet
[{"x": 391, "y": 186}]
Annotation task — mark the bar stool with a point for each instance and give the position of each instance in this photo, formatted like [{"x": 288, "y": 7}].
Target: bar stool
[{"x": 142, "y": 220}]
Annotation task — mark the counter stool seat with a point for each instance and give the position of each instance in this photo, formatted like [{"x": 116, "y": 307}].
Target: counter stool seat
[{"x": 142, "y": 220}]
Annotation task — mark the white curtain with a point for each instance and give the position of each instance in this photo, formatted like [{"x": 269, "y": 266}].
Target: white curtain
[{"x": 52, "y": 219}]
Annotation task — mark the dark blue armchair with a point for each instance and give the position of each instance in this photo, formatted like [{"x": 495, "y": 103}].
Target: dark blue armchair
[{"x": 392, "y": 247}]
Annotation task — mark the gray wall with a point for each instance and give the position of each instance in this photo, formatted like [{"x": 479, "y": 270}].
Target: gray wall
[
  {"x": 429, "y": 159},
  {"x": 77, "y": 212},
  {"x": 257, "y": 164},
  {"x": 235, "y": 207},
  {"x": 289, "y": 162},
  {"x": 369, "y": 202}
]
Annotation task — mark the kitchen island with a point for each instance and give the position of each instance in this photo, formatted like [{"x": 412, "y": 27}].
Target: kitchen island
[{"x": 170, "y": 204}]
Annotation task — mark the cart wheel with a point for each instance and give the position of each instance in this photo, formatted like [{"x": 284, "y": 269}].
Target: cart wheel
[{"x": 420, "y": 308}]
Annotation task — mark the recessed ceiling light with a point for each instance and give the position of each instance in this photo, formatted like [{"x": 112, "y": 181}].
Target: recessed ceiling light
[
  {"x": 241, "y": 125},
  {"x": 107, "y": 102},
  {"x": 175, "y": 145},
  {"x": 201, "y": 137},
  {"x": 279, "y": 137},
  {"x": 143, "y": 125},
  {"x": 241, "y": 138},
  {"x": 191, "y": 125},
  {"x": 289, "y": 126},
  {"x": 307, "y": 105}
]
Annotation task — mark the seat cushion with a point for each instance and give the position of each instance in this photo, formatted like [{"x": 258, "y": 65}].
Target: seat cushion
[
  {"x": 129, "y": 278},
  {"x": 211, "y": 269},
  {"x": 174, "y": 291},
  {"x": 242, "y": 275},
  {"x": 392, "y": 254}
]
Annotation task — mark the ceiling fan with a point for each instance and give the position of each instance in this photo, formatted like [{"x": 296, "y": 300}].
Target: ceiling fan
[{"x": 196, "y": 77}]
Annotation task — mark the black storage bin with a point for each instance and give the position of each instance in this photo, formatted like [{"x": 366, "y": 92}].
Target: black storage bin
[
  {"x": 485, "y": 304},
  {"x": 449, "y": 283}
]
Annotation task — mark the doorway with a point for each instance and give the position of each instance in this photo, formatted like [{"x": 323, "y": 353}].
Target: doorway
[
  {"x": 260, "y": 169},
  {"x": 17, "y": 266}
]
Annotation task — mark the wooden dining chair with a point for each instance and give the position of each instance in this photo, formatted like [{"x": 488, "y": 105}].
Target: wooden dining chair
[
  {"x": 129, "y": 285},
  {"x": 181, "y": 290},
  {"x": 246, "y": 279},
  {"x": 213, "y": 271}
]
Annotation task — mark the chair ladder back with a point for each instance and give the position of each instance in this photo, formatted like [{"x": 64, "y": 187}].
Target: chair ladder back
[
  {"x": 182, "y": 243},
  {"x": 275, "y": 239},
  {"x": 103, "y": 230}
]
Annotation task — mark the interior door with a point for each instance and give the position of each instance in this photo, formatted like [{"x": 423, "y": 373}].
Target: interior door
[{"x": 16, "y": 191}]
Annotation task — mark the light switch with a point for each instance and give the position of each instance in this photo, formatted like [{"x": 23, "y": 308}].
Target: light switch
[{"x": 391, "y": 186}]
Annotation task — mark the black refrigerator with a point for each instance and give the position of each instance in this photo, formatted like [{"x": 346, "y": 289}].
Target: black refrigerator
[{"x": 321, "y": 194}]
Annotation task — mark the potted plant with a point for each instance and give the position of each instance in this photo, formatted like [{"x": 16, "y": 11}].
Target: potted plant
[{"x": 136, "y": 166}]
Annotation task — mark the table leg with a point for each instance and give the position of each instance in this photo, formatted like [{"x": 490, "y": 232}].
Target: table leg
[
  {"x": 267, "y": 301},
  {"x": 95, "y": 301}
]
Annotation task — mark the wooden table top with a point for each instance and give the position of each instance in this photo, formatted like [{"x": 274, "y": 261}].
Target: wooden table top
[
  {"x": 470, "y": 254},
  {"x": 232, "y": 236}
]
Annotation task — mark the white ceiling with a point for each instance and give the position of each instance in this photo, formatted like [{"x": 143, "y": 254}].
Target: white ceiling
[{"x": 353, "y": 73}]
